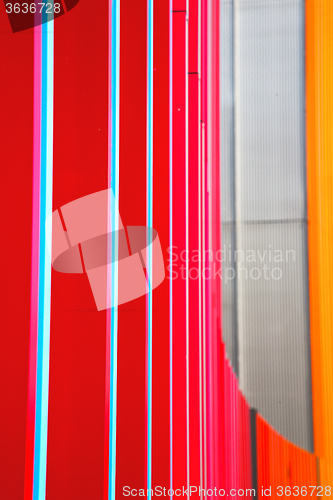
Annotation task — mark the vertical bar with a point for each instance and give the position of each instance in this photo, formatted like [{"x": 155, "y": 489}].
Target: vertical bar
[
  {"x": 201, "y": 422},
  {"x": 150, "y": 45},
  {"x": 112, "y": 323},
  {"x": 39, "y": 349},
  {"x": 187, "y": 245},
  {"x": 44, "y": 304},
  {"x": 30, "y": 435},
  {"x": 179, "y": 244},
  {"x": 170, "y": 234},
  {"x": 161, "y": 197},
  {"x": 319, "y": 103}
]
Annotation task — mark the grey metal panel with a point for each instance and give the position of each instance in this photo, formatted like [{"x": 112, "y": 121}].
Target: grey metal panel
[
  {"x": 229, "y": 294},
  {"x": 274, "y": 363},
  {"x": 263, "y": 165},
  {"x": 270, "y": 103},
  {"x": 227, "y": 111},
  {"x": 228, "y": 230}
]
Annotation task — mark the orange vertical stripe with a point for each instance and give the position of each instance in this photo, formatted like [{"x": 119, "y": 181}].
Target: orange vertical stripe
[{"x": 319, "y": 94}]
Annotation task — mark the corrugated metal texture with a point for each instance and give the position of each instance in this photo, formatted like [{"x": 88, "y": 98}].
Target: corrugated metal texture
[
  {"x": 228, "y": 229},
  {"x": 270, "y": 105},
  {"x": 274, "y": 363},
  {"x": 266, "y": 306},
  {"x": 319, "y": 79}
]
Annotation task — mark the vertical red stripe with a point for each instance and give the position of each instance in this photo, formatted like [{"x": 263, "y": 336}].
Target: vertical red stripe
[
  {"x": 16, "y": 103},
  {"x": 130, "y": 460},
  {"x": 32, "y": 377},
  {"x": 77, "y": 350},
  {"x": 160, "y": 397},
  {"x": 179, "y": 243}
]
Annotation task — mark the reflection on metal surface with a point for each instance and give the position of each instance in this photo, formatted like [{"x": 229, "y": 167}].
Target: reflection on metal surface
[{"x": 82, "y": 241}]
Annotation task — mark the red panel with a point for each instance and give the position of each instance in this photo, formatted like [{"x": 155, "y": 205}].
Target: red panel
[
  {"x": 179, "y": 284},
  {"x": 160, "y": 397},
  {"x": 130, "y": 466},
  {"x": 179, "y": 5},
  {"x": 77, "y": 364},
  {"x": 16, "y": 104},
  {"x": 193, "y": 36}
]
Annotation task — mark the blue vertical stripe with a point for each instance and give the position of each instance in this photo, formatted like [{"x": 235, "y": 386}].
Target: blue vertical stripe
[
  {"x": 114, "y": 208},
  {"x": 44, "y": 296},
  {"x": 150, "y": 224}
]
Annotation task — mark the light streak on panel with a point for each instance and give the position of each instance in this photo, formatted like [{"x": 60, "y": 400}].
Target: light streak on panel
[
  {"x": 204, "y": 324},
  {"x": 170, "y": 238},
  {"x": 187, "y": 312},
  {"x": 44, "y": 306},
  {"x": 112, "y": 314},
  {"x": 31, "y": 410},
  {"x": 179, "y": 241},
  {"x": 149, "y": 302},
  {"x": 201, "y": 422},
  {"x": 209, "y": 284},
  {"x": 39, "y": 344},
  {"x": 205, "y": 248}
]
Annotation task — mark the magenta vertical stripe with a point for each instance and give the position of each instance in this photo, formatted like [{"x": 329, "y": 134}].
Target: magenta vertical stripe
[
  {"x": 107, "y": 398},
  {"x": 215, "y": 232},
  {"x": 206, "y": 247},
  {"x": 194, "y": 266},
  {"x": 179, "y": 438}
]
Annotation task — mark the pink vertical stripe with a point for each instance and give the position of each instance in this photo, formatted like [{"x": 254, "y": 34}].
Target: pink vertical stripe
[
  {"x": 107, "y": 402},
  {"x": 179, "y": 451},
  {"x": 194, "y": 265},
  {"x": 30, "y": 435}
]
